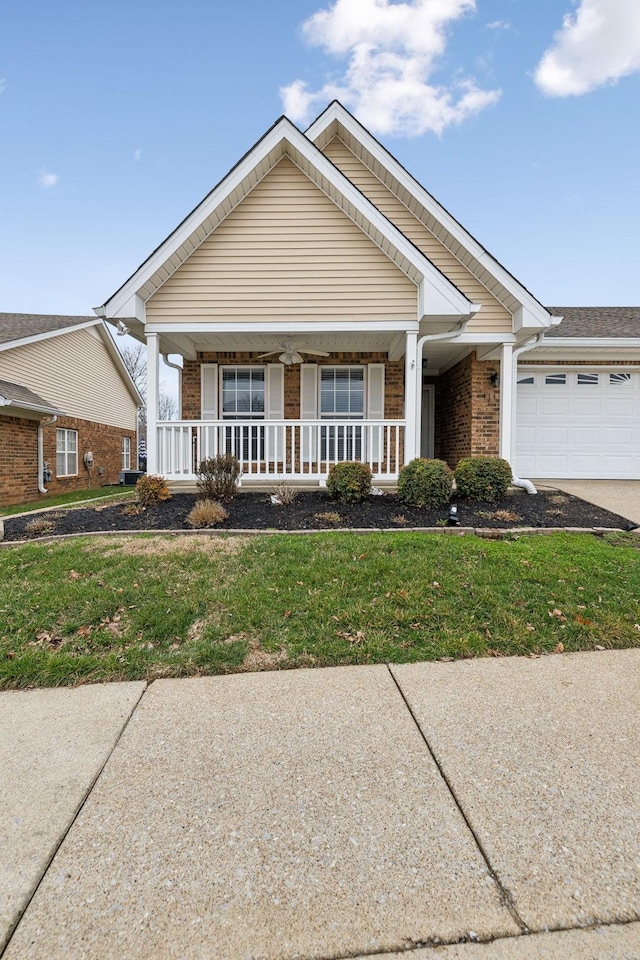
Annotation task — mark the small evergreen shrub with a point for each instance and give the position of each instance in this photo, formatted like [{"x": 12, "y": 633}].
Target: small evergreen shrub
[
  {"x": 152, "y": 490},
  {"x": 483, "y": 478},
  {"x": 425, "y": 483},
  {"x": 349, "y": 481},
  {"x": 206, "y": 513},
  {"x": 218, "y": 477}
]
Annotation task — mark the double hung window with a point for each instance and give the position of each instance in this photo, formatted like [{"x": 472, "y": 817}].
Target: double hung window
[
  {"x": 341, "y": 398},
  {"x": 243, "y": 398},
  {"x": 66, "y": 452}
]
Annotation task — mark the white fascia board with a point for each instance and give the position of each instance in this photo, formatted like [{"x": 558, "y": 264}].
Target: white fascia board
[
  {"x": 12, "y": 344},
  {"x": 9, "y": 402},
  {"x": 590, "y": 343},
  {"x": 118, "y": 362},
  {"x": 123, "y": 304},
  {"x": 285, "y": 326},
  {"x": 337, "y": 112}
]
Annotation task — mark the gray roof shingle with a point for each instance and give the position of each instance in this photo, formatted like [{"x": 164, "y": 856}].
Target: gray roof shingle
[
  {"x": 596, "y": 322},
  {"x": 17, "y": 326},
  {"x": 21, "y": 396}
]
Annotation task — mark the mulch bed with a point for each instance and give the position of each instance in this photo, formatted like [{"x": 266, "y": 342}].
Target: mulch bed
[{"x": 255, "y": 511}]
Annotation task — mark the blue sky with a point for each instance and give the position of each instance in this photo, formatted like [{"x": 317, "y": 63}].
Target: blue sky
[{"x": 117, "y": 118}]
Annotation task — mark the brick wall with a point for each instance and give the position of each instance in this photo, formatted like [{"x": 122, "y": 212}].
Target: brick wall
[
  {"x": 18, "y": 460},
  {"x": 393, "y": 389},
  {"x": 467, "y": 414},
  {"x": 19, "y": 457}
]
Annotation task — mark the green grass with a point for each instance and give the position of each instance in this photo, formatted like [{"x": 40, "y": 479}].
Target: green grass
[
  {"x": 68, "y": 499},
  {"x": 157, "y": 606}
]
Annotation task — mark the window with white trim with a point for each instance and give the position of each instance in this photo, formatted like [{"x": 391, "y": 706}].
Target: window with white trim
[
  {"x": 616, "y": 379},
  {"x": 527, "y": 381},
  {"x": 66, "y": 452},
  {"x": 587, "y": 379},
  {"x": 242, "y": 392},
  {"x": 126, "y": 453},
  {"x": 555, "y": 379},
  {"x": 341, "y": 398}
]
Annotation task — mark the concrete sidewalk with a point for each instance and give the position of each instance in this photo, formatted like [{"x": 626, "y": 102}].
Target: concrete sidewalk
[{"x": 488, "y": 806}]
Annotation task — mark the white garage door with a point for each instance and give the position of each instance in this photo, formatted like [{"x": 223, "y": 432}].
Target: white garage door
[{"x": 578, "y": 424}]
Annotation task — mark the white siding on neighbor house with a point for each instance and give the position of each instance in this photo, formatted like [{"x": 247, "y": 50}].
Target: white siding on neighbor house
[
  {"x": 286, "y": 252},
  {"x": 493, "y": 317},
  {"x": 74, "y": 372}
]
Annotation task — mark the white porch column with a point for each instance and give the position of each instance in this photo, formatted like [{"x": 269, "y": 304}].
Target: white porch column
[
  {"x": 153, "y": 361},
  {"x": 507, "y": 394},
  {"x": 411, "y": 395}
]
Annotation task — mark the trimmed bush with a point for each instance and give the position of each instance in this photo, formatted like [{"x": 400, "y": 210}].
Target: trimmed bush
[
  {"x": 425, "y": 483},
  {"x": 206, "y": 513},
  {"x": 483, "y": 478},
  {"x": 349, "y": 482},
  {"x": 151, "y": 490},
  {"x": 218, "y": 477}
]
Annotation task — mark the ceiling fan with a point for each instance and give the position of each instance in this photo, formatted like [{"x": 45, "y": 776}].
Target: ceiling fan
[{"x": 291, "y": 354}]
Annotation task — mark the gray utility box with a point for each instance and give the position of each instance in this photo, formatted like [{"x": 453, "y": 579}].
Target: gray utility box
[{"x": 129, "y": 478}]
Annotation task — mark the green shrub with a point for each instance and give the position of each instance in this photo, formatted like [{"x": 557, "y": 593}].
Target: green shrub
[
  {"x": 425, "y": 483},
  {"x": 151, "y": 490},
  {"x": 206, "y": 513},
  {"x": 483, "y": 478},
  {"x": 349, "y": 482},
  {"x": 218, "y": 477}
]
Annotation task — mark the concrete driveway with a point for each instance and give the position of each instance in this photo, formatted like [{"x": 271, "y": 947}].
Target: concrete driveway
[
  {"x": 480, "y": 809},
  {"x": 618, "y": 496}
]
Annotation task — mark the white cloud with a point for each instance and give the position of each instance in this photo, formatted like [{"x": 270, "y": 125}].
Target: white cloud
[
  {"x": 597, "y": 44},
  {"x": 47, "y": 180},
  {"x": 392, "y": 50},
  {"x": 498, "y": 25},
  {"x": 137, "y": 154}
]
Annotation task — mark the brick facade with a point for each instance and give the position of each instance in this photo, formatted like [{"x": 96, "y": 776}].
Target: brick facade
[
  {"x": 467, "y": 414},
  {"x": 19, "y": 457},
  {"x": 393, "y": 385}
]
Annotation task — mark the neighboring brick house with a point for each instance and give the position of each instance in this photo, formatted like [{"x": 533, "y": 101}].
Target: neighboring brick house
[
  {"x": 68, "y": 407},
  {"x": 327, "y": 307}
]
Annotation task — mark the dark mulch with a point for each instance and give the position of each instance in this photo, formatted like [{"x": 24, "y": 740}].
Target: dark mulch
[{"x": 256, "y": 512}]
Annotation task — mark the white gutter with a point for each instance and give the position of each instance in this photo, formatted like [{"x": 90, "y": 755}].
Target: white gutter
[
  {"x": 429, "y": 338},
  {"x": 176, "y": 366},
  {"x": 43, "y": 423},
  {"x": 529, "y": 345}
]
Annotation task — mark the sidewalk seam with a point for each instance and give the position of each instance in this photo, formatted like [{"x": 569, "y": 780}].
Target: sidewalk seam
[
  {"x": 71, "y": 823},
  {"x": 506, "y": 896}
]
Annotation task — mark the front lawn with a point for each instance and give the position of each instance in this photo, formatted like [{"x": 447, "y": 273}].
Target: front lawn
[
  {"x": 146, "y": 607},
  {"x": 68, "y": 499}
]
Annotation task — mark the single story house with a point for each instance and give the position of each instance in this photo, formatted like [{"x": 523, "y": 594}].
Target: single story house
[
  {"x": 327, "y": 307},
  {"x": 68, "y": 407}
]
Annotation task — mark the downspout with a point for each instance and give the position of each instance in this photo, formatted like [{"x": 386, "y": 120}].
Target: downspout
[
  {"x": 176, "y": 366},
  {"x": 429, "y": 338},
  {"x": 43, "y": 423},
  {"x": 529, "y": 345}
]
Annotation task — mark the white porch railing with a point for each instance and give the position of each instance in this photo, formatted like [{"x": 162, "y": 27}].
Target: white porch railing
[{"x": 289, "y": 449}]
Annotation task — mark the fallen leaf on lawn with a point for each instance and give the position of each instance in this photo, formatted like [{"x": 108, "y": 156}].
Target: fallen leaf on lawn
[
  {"x": 559, "y": 648},
  {"x": 636, "y": 626},
  {"x": 355, "y": 638},
  {"x": 584, "y": 620},
  {"x": 530, "y": 627},
  {"x": 599, "y": 647},
  {"x": 74, "y": 575},
  {"x": 558, "y": 614},
  {"x": 494, "y": 653},
  {"x": 436, "y": 585},
  {"x": 534, "y": 656},
  {"x": 84, "y": 631},
  {"x": 445, "y": 659},
  {"x": 287, "y": 614}
]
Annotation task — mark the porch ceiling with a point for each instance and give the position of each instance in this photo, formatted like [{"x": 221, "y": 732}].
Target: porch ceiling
[{"x": 335, "y": 342}]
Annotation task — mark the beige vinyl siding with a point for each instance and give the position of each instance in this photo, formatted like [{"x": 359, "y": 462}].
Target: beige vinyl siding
[
  {"x": 493, "y": 317},
  {"x": 286, "y": 252},
  {"x": 74, "y": 372}
]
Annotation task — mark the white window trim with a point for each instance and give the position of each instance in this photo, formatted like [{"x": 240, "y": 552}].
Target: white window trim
[
  {"x": 126, "y": 453},
  {"x": 66, "y": 453},
  {"x": 241, "y": 366},
  {"x": 342, "y": 366}
]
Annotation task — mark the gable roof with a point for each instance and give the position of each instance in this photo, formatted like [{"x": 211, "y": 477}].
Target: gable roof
[
  {"x": 15, "y": 395},
  {"x": 601, "y": 322},
  {"x": 20, "y": 329},
  {"x": 284, "y": 139},
  {"x": 336, "y": 120},
  {"x": 20, "y": 326}
]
